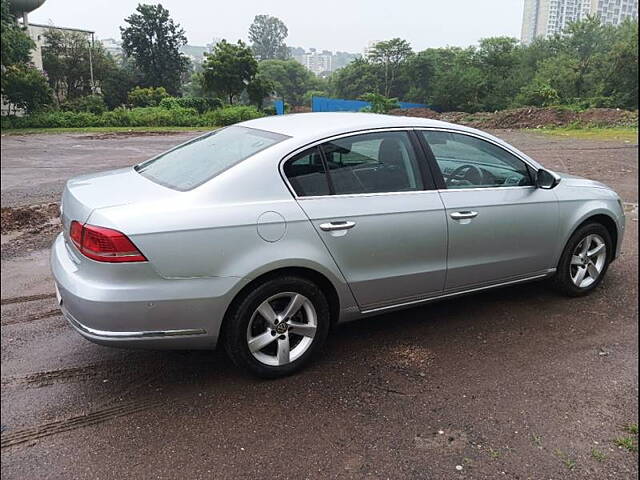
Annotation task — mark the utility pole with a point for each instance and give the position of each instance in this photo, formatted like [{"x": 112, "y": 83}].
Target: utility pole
[{"x": 93, "y": 86}]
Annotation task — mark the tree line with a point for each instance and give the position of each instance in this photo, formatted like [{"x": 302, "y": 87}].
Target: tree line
[{"x": 589, "y": 65}]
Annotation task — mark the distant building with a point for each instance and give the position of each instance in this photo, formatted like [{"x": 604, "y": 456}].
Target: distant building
[
  {"x": 370, "y": 44},
  {"x": 544, "y": 18},
  {"x": 318, "y": 62},
  {"x": 37, "y": 33},
  {"x": 112, "y": 46},
  {"x": 195, "y": 53},
  {"x": 321, "y": 63}
]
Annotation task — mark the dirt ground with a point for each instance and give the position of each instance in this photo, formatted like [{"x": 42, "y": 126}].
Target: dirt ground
[
  {"x": 516, "y": 383},
  {"x": 531, "y": 117}
]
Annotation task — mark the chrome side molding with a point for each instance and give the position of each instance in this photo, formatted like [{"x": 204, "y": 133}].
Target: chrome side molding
[
  {"x": 131, "y": 335},
  {"x": 462, "y": 292}
]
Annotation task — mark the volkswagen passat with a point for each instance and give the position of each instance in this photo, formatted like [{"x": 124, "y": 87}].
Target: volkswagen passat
[{"x": 263, "y": 235}]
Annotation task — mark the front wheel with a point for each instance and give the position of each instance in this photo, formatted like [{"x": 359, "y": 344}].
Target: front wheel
[
  {"x": 276, "y": 328},
  {"x": 585, "y": 260}
]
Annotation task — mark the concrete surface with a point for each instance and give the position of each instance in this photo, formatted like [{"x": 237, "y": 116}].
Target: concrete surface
[{"x": 513, "y": 383}]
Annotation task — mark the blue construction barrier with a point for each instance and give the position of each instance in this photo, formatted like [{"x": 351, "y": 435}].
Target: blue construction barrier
[
  {"x": 279, "y": 106},
  {"x": 326, "y": 104}
]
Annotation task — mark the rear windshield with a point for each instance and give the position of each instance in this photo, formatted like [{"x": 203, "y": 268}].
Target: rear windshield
[{"x": 193, "y": 163}]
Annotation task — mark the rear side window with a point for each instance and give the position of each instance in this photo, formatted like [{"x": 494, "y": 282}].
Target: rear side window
[
  {"x": 195, "y": 162},
  {"x": 381, "y": 162},
  {"x": 306, "y": 174}
]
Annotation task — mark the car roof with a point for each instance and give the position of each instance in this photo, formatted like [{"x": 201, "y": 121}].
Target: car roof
[
  {"x": 304, "y": 128},
  {"x": 323, "y": 124}
]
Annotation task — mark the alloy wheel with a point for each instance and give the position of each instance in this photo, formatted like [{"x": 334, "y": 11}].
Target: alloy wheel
[
  {"x": 588, "y": 260},
  {"x": 282, "y": 329}
]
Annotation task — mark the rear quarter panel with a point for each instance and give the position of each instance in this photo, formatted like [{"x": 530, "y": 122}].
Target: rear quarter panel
[{"x": 212, "y": 231}]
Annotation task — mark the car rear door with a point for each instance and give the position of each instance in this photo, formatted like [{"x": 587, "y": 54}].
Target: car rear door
[
  {"x": 501, "y": 227},
  {"x": 373, "y": 203}
]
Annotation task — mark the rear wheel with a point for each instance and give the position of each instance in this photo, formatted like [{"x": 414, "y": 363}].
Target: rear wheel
[
  {"x": 585, "y": 260},
  {"x": 276, "y": 328}
]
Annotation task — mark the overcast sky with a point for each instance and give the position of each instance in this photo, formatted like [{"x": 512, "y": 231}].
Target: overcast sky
[{"x": 346, "y": 25}]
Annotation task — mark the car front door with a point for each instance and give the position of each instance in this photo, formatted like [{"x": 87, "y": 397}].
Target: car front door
[
  {"x": 375, "y": 207},
  {"x": 501, "y": 227}
]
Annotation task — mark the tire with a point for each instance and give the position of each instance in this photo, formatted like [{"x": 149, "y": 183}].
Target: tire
[
  {"x": 564, "y": 281},
  {"x": 289, "y": 345}
]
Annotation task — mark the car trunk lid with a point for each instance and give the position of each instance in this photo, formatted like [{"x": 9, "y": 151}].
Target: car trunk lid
[{"x": 82, "y": 195}]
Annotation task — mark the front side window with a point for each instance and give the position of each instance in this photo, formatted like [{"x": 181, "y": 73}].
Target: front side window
[
  {"x": 201, "y": 159},
  {"x": 469, "y": 162},
  {"x": 372, "y": 163}
]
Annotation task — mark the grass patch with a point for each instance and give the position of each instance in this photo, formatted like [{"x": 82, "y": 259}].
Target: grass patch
[
  {"x": 632, "y": 428},
  {"x": 494, "y": 453},
  {"x": 566, "y": 459},
  {"x": 621, "y": 134},
  {"x": 598, "y": 455},
  {"x": 29, "y": 131},
  {"x": 536, "y": 440},
  {"x": 627, "y": 443}
]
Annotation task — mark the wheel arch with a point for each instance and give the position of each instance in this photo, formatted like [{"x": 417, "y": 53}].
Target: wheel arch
[
  {"x": 320, "y": 279},
  {"x": 604, "y": 219}
]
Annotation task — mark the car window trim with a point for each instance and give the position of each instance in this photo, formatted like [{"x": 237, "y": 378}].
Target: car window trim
[
  {"x": 433, "y": 164},
  {"x": 428, "y": 186},
  {"x": 327, "y": 174}
]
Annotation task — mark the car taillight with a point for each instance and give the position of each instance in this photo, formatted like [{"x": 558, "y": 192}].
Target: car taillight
[
  {"x": 75, "y": 232},
  {"x": 104, "y": 244}
]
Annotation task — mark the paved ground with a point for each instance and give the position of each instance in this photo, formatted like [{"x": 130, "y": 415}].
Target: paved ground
[{"x": 516, "y": 383}]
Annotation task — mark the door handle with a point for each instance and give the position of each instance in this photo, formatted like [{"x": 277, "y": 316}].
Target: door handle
[
  {"x": 333, "y": 226},
  {"x": 463, "y": 215}
]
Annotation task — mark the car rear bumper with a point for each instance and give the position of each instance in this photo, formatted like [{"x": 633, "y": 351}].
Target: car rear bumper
[{"x": 141, "y": 309}]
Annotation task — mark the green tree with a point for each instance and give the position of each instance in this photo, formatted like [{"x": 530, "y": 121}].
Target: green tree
[
  {"x": 258, "y": 89},
  {"x": 538, "y": 93},
  {"x": 390, "y": 55},
  {"x": 561, "y": 73},
  {"x": 152, "y": 40},
  {"x": 420, "y": 69},
  {"x": 228, "y": 69},
  {"x": 586, "y": 41},
  {"x": 618, "y": 76},
  {"x": 499, "y": 59},
  {"x": 267, "y": 35},
  {"x": 66, "y": 59},
  {"x": 355, "y": 79},
  {"x": 16, "y": 44},
  {"x": 290, "y": 79},
  {"x": 26, "y": 88},
  {"x": 379, "y": 103},
  {"x": 117, "y": 82},
  {"x": 458, "y": 82}
]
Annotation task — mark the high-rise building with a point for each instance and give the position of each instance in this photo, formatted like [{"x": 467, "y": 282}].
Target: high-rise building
[
  {"x": 547, "y": 17},
  {"x": 318, "y": 62}
]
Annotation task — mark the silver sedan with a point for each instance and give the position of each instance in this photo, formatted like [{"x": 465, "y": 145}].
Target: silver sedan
[{"x": 265, "y": 234}]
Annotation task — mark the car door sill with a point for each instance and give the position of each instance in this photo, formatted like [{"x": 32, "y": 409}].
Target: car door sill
[{"x": 460, "y": 292}]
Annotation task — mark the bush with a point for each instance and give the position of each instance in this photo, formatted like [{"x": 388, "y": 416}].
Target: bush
[
  {"x": 146, "y": 97},
  {"x": 230, "y": 115},
  {"x": 201, "y": 104},
  {"x": 26, "y": 88},
  {"x": 136, "y": 117},
  {"x": 90, "y": 103},
  {"x": 379, "y": 103}
]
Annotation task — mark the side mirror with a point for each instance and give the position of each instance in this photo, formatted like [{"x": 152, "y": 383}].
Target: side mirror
[{"x": 546, "y": 179}]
